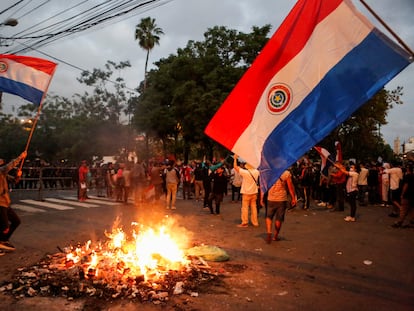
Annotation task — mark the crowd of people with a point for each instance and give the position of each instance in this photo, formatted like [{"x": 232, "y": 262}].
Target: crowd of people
[{"x": 303, "y": 185}]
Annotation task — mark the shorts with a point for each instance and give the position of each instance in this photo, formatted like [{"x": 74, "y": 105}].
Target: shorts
[
  {"x": 396, "y": 195},
  {"x": 277, "y": 209}
]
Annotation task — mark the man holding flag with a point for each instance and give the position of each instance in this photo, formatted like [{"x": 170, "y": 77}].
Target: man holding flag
[
  {"x": 324, "y": 62},
  {"x": 29, "y": 78}
]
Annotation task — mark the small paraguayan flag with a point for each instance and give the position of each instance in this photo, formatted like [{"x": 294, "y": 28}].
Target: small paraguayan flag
[{"x": 24, "y": 76}]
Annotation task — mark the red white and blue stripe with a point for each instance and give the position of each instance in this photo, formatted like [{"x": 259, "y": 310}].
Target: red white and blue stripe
[
  {"x": 24, "y": 76},
  {"x": 324, "y": 61}
]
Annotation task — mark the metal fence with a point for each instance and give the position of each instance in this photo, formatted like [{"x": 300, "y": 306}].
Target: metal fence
[{"x": 55, "y": 178}]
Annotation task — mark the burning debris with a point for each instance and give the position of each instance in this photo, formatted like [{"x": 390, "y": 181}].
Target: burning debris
[{"x": 151, "y": 265}]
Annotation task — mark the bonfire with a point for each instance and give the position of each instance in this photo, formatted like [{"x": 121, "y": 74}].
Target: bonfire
[{"x": 147, "y": 264}]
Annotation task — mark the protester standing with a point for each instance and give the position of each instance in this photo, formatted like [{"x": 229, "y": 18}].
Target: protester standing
[
  {"x": 395, "y": 175},
  {"x": 219, "y": 189},
  {"x": 351, "y": 189},
  {"x": 236, "y": 181},
  {"x": 83, "y": 180},
  {"x": 172, "y": 180},
  {"x": 407, "y": 198},
  {"x": 362, "y": 184}
]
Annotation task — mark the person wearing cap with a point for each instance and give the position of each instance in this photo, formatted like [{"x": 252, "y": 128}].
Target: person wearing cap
[{"x": 9, "y": 220}]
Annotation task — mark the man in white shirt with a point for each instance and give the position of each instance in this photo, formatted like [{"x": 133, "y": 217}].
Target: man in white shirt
[{"x": 249, "y": 190}]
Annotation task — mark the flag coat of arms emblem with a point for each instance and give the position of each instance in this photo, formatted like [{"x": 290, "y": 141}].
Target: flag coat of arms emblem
[
  {"x": 24, "y": 76},
  {"x": 325, "y": 61}
]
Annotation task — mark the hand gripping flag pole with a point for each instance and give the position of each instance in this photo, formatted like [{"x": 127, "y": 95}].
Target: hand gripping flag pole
[{"x": 29, "y": 78}]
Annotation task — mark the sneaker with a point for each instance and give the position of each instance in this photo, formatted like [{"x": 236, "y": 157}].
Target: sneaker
[
  {"x": 349, "y": 218},
  {"x": 2, "y": 253},
  {"x": 7, "y": 246},
  {"x": 173, "y": 207},
  {"x": 242, "y": 225},
  {"x": 167, "y": 207}
]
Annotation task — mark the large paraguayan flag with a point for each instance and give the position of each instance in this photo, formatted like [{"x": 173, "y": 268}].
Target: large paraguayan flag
[
  {"x": 24, "y": 76},
  {"x": 324, "y": 61}
]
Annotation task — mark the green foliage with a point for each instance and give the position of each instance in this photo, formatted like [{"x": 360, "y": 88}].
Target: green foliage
[
  {"x": 147, "y": 33},
  {"x": 186, "y": 89}
]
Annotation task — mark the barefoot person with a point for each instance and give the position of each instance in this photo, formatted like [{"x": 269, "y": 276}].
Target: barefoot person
[{"x": 277, "y": 201}]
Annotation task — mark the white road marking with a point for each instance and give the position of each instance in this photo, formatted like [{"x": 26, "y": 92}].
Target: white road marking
[
  {"x": 99, "y": 201},
  {"x": 27, "y": 208},
  {"x": 70, "y": 202},
  {"x": 47, "y": 204}
]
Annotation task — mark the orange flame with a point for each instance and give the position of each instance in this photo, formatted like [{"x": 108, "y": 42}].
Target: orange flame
[{"x": 149, "y": 253}]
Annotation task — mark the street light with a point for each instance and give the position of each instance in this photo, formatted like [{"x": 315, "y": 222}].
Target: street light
[{"x": 10, "y": 22}]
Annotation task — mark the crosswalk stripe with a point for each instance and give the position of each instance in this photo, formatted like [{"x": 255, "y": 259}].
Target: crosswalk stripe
[
  {"x": 130, "y": 200},
  {"x": 27, "y": 208},
  {"x": 70, "y": 202},
  {"x": 99, "y": 201},
  {"x": 47, "y": 204},
  {"x": 62, "y": 203}
]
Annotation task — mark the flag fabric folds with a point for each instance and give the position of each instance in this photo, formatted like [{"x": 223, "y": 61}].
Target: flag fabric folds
[
  {"x": 325, "y": 60},
  {"x": 24, "y": 76}
]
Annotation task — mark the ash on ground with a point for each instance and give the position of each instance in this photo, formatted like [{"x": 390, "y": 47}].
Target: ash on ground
[{"x": 53, "y": 276}]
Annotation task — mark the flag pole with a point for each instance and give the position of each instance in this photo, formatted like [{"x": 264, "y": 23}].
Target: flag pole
[
  {"x": 400, "y": 41},
  {"x": 31, "y": 135},
  {"x": 19, "y": 172}
]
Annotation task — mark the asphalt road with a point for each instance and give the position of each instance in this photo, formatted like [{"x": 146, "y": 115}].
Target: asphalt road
[{"x": 322, "y": 262}]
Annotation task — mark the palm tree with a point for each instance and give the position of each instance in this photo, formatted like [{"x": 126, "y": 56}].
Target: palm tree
[{"x": 147, "y": 33}]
